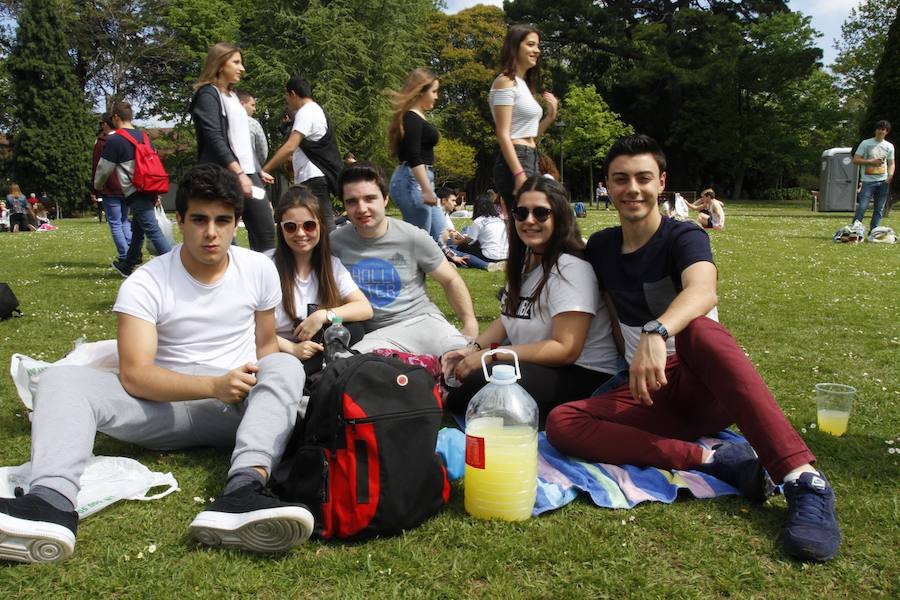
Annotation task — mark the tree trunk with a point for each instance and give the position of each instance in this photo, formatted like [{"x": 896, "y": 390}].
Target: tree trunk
[{"x": 738, "y": 183}]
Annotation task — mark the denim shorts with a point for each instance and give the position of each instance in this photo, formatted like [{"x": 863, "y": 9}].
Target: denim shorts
[{"x": 504, "y": 182}]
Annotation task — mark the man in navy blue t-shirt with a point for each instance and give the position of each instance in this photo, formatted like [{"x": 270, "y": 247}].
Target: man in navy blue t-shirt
[
  {"x": 118, "y": 156},
  {"x": 687, "y": 375}
]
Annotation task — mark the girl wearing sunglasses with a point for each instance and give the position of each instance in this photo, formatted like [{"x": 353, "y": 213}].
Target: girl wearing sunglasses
[
  {"x": 551, "y": 311},
  {"x": 315, "y": 286}
]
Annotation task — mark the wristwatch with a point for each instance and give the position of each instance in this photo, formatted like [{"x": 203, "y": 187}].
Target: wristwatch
[
  {"x": 329, "y": 316},
  {"x": 656, "y": 327}
]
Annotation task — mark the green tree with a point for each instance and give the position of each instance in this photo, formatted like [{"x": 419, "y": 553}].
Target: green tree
[
  {"x": 52, "y": 125},
  {"x": 351, "y": 51},
  {"x": 885, "y": 100},
  {"x": 591, "y": 129},
  {"x": 454, "y": 163},
  {"x": 863, "y": 35}
]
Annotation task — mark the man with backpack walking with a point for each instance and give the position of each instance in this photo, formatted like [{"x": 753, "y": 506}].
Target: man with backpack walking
[{"x": 140, "y": 188}]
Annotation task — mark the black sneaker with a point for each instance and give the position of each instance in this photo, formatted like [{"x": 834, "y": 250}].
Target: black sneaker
[
  {"x": 120, "y": 268},
  {"x": 33, "y": 531},
  {"x": 252, "y": 518},
  {"x": 811, "y": 531},
  {"x": 738, "y": 466}
]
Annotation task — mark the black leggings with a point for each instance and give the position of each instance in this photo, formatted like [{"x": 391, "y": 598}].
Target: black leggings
[
  {"x": 550, "y": 386},
  {"x": 259, "y": 220}
]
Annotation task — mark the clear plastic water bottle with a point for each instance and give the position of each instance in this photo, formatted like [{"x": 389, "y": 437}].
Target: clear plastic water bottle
[
  {"x": 337, "y": 341},
  {"x": 501, "y": 446}
]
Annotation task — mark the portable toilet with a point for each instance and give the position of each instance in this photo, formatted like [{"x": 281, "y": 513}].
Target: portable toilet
[{"x": 837, "y": 182}]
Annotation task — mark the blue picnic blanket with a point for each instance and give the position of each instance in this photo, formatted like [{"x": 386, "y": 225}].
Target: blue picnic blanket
[{"x": 562, "y": 478}]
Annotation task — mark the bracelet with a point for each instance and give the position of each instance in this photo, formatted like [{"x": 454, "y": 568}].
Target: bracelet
[
  {"x": 519, "y": 172},
  {"x": 476, "y": 344}
]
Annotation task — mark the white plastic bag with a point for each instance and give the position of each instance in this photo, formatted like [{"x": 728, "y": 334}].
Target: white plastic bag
[
  {"x": 26, "y": 371},
  {"x": 105, "y": 481},
  {"x": 165, "y": 226}
]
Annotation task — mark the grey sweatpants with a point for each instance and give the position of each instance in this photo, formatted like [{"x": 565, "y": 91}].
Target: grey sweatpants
[
  {"x": 423, "y": 334},
  {"x": 73, "y": 403}
]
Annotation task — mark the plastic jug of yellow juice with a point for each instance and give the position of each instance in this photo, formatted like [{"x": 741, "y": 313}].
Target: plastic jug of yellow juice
[{"x": 501, "y": 446}]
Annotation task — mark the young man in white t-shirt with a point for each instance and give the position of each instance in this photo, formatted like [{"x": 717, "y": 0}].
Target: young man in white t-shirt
[
  {"x": 199, "y": 366},
  {"x": 312, "y": 144}
]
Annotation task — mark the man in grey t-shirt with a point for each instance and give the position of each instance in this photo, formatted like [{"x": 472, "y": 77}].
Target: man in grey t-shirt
[{"x": 389, "y": 260}]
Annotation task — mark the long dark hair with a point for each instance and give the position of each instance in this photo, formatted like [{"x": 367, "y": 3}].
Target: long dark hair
[
  {"x": 484, "y": 207},
  {"x": 515, "y": 35},
  {"x": 301, "y": 196},
  {"x": 566, "y": 239}
]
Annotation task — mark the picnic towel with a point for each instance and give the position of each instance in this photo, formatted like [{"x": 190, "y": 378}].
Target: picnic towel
[{"x": 562, "y": 478}]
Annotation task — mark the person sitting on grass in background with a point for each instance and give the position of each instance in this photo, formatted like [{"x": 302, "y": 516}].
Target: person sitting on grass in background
[
  {"x": 712, "y": 211},
  {"x": 315, "y": 287},
  {"x": 4, "y": 217},
  {"x": 389, "y": 259},
  {"x": 486, "y": 237},
  {"x": 19, "y": 210},
  {"x": 199, "y": 366},
  {"x": 551, "y": 311},
  {"x": 688, "y": 376}
]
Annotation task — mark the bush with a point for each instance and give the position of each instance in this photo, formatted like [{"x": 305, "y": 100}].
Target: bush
[{"x": 788, "y": 194}]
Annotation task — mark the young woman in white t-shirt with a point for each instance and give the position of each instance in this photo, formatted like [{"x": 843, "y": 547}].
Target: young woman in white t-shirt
[
  {"x": 551, "y": 311},
  {"x": 517, "y": 114},
  {"x": 315, "y": 286},
  {"x": 487, "y": 237}
]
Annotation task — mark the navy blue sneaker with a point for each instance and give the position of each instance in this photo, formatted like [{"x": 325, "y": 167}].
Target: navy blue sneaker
[
  {"x": 252, "y": 518},
  {"x": 33, "y": 531},
  {"x": 811, "y": 531},
  {"x": 738, "y": 466},
  {"x": 121, "y": 269}
]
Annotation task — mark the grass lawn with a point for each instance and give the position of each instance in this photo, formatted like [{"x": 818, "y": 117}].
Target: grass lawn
[{"x": 806, "y": 311}]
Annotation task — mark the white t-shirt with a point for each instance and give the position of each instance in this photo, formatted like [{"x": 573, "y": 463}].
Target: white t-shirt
[
  {"x": 212, "y": 325},
  {"x": 490, "y": 233},
  {"x": 306, "y": 292},
  {"x": 310, "y": 121},
  {"x": 239, "y": 132},
  {"x": 572, "y": 287}
]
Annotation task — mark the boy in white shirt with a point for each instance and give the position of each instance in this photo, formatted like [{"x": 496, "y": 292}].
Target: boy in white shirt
[{"x": 199, "y": 366}]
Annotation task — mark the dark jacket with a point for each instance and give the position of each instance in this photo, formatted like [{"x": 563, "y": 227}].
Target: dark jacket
[
  {"x": 211, "y": 125},
  {"x": 325, "y": 155},
  {"x": 112, "y": 188}
]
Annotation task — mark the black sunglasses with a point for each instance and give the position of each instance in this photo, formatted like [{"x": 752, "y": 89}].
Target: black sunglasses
[
  {"x": 290, "y": 227},
  {"x": 541, "y": 213}
]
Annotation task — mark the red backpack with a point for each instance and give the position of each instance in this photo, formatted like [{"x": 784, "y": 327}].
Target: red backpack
[
  {"x": 363, "y": 458},
  {"x": 149, "y": 174}
]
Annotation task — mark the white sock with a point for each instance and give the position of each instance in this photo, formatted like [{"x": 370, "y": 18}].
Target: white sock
[{"x": 796, "y": 473}]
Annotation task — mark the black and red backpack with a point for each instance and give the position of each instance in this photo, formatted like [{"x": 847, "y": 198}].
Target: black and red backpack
[{"x": 363, "y": 457}]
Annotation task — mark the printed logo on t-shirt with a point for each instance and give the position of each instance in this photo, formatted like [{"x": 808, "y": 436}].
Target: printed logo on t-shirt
[
  {"x": 378, "y": 279},
  {"x": 523, "y": 308},
  {"x": 398, "y": 260}
]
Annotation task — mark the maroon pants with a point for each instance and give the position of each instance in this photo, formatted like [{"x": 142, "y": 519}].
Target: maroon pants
[{"x": 712, "y": 384}]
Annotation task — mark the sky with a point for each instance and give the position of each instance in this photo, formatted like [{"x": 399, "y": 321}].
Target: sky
[{"x": 827, "y": 17}]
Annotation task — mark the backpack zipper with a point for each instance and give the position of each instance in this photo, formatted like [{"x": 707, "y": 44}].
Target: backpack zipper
[{"x": 394, "y": 415}]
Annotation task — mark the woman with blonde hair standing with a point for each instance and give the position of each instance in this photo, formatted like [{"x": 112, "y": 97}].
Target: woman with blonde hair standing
[
  {"x": 223, "y": 137},
  {"x": 517, "y": 114},
  {"x": 412, "y": 139}
]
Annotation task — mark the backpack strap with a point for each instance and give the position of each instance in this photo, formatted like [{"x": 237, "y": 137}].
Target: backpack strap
[{"x": 131, "y": 139}]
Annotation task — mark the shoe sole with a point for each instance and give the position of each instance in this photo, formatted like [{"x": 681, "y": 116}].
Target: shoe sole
[
  {"x": 265, "y": 531},
  {"x": 27, "y": 541}
]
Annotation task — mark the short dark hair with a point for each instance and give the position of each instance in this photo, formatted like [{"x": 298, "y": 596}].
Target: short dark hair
[
  {"x": 244, "y": 96},
  {"x": 299, "y": 86},
  {"x": 362, "y": 171},
  {"x": 122, "y": 109},
  {"x": 106, "y": 119},
  {"x": 210, "y": 183},
  {"x": 445, "y": 192},
  {"x": 632, "y": 145},
  {"x": 883, "y": 124}
]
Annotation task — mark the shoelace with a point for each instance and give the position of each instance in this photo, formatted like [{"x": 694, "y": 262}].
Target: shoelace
[{"x": 812, "y": 505}]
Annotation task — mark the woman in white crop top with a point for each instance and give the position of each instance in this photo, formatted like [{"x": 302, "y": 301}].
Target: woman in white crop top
[{"x": 517, "y": 114}]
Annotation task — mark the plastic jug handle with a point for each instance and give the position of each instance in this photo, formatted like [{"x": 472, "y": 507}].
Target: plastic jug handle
[{"x": 487, "y": 377}]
